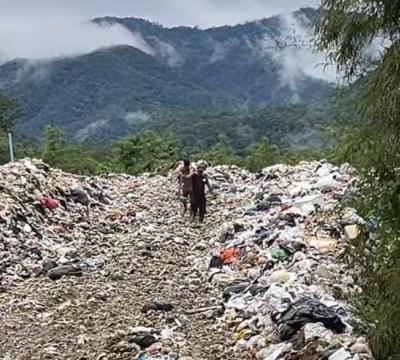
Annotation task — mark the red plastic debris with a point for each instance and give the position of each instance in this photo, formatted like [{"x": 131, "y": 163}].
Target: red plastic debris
[
  {"x": 229, "y": 255},
  {"x": 49, "y": 203}
]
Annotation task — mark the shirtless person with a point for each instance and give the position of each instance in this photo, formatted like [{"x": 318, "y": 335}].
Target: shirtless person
[
  {"x": 185, "y": 184},
  {"x": 198, "y": 198}
]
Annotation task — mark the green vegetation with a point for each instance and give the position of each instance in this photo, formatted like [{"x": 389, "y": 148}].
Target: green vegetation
[
  {"x": 261, "y": 155},
  {"x": 149, "y": 152},
  {"x": 146, "y": 153},
  {"x": 346, "y": 31},
  {"x": 221, "y": 153},
  {"x": 74, "y": 158},
  {"x": 10, "y": 112},
  {"x": 104, "y": 94},
  {"x": 284, "y": 126},
  {"x": 253, "y": 140}
]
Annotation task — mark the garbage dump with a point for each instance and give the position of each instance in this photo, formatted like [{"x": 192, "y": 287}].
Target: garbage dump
[
  {"x": 108, "y": 268},
  {"x": 279, "y": 270}
]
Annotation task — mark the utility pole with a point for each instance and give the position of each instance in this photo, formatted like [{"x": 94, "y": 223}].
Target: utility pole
[{"x": 11, "y": 146}]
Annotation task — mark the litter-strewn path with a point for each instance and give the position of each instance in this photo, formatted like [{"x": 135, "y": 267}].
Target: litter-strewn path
[
  {"x": 90, "y": 317},
  {"x": 260, "y": 279}
]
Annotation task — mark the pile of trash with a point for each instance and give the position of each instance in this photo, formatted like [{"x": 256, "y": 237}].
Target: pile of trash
[
  {"x": 279, "y": 271},
  {"x": 107, "y": 267},
  {"x": 45, "y": 221},
  {"x": 102, "y": 267}
]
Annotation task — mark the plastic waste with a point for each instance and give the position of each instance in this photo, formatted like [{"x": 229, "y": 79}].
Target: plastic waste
[
  {"x": 229, "y": 255},
  {"x": 341, "y": 354},
  {"x": 79, "y": 196},
  {"x": 144, "y": 340},
  {"x": 273, "y": 352},
  {"x": 327, "y": 183},
  {"x": 60, "y": 271},
  {"x": 280, "y": 277},
  {"x": 303, "y": 311},
  {"x": 373, "y": 224},
  {"x": 158, "y": 357},
  {"x": 245, "y": 334},
  {"x": 216, "y": 262},
  {"x": 352, "y": 232},
  {"x": 156, "y": 306},
  {"x": 135, "y": 242},
  {"x": 308, "y": 204},
  {"x": 237, "y": 288},
  {"x": 49, "y": 203},
  {"x": 361, "y": 347},
  {"x": 279, "y": 255}
]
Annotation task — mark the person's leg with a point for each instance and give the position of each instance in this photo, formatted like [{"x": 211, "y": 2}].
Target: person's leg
[
  {"x": 202, "y": 209},
  {"x": 184, "y": 202},
  {"x": 193, "y": 209},
  {"x": 189, "y": 200}
]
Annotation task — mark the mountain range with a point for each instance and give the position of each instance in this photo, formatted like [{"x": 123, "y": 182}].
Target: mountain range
[{"x": 113, "y": 91}]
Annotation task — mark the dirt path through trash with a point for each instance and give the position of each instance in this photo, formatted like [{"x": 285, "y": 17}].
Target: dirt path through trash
[{"x": 90, "y": 317}]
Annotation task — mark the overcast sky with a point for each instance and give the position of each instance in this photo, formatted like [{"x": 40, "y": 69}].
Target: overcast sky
[
  {"x": 203, "y": 13},
  {"x": 39, "y": 29}
]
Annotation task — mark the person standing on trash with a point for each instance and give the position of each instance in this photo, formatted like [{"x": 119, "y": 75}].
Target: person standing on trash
[
  {"x": 185, "y": 184},
  {"x": 198, "y": 198}
]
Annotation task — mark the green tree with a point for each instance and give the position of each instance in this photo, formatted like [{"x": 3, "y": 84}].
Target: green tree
[
  {"x": 54, "y": 145},
  {"x": 10, "y": 112},
  {"x": 147, "y": 152},
  {"x": 261, "y": 155},
  {"x": 4, "y": 156},
  {"x": 74, "y": 158},
  {"x": 221, "y": 153},
  {"x": 346, "y": 31}
]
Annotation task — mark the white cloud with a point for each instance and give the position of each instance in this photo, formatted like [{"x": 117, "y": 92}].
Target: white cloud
[
  {"x": 59, "y": 37},
  {"x": 90, "y": 129},
  {"x": 220, "y": 52},
  {"x": 38, "y": 29},
  {"x": 131, "y": 118},
  {"x": 204, "y": 13},
  {"x": 135, "y": 117},
  {"x": 167, "y": 52},
  {"x": 294, "y": 54}
]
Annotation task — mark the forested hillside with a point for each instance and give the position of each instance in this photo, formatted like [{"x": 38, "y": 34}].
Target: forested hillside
[
  {"x": 296, "y": 127},
  {"x": 244, "y": 71}
]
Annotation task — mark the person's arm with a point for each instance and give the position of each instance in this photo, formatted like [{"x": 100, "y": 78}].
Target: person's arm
[
  {"x": 179, "y": 183},
  {"x": 209, "y": 186}
]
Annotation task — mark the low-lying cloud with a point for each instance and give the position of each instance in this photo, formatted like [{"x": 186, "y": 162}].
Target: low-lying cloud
[
  {"x": 60, "y": 37},
  {"x": 292, "y": 50},
  {"x": 167, "y": 52},
  {"x": 136, "y": 117}
]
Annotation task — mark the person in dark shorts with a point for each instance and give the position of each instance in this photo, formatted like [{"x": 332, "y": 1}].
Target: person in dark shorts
[
  {"x": 198, "y": 198},
  {"x": 185, "y": 184}
]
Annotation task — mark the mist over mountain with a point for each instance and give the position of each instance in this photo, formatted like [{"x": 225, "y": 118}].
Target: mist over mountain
[{"x": 115, "y": 89}]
